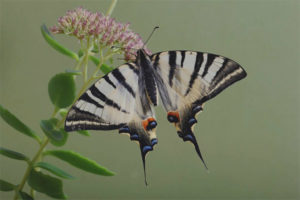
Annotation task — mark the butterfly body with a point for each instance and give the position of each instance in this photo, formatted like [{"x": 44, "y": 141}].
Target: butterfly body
[{"x": 124, "y": 98}]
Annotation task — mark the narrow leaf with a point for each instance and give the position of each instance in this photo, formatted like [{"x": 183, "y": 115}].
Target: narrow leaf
[
  {"x": 52, "y": 42},
  {"x": 104, "y": 68},
  {"x": 58, "y": 137},
  {"x": 13, "y": 154},
  {"x": 80, "y": 162},
  {"x": 14, "y": 122},
  {"x": 54, "y": 170},
  {"x": 83, "y": 132},
  {"x": 6, "y": 186},
  {"x": 46, "y": 184},
  {"x": 94, "y": 60},
  {"x": 73, "y": 72},
  {"x": 61, "y": 89},
  {"x": 25, "y": 196}
]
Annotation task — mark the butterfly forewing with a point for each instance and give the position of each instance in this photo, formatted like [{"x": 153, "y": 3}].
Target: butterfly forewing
[{"x": 107, "y": 104}]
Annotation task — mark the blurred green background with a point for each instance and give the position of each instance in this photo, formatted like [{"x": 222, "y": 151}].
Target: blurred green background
[{"x": 249, "y": 134}]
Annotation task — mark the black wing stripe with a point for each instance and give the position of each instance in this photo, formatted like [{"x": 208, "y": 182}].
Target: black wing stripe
[
  {"x": 118, "y": 75},
  {"x": 106, "y": 100},
  {"x": 227, "y": 68},
  {"x": 83, "y": 120},
  {"x": 88, "y": 99},
  {"x": 210, "y": 59},
  {"x": 172, "y": 63},
  {"x": 107, "y": 79},
  {"x": 220, "y": 70},
  {"x": 182, "y": 58},
  {"x": 82, "y": 115},
  {"x": 156, "y": 61},
  {"x": 198, "y": 62},
  {"x": 134, "y": 69},
  {"x": 232, "y": 77}
]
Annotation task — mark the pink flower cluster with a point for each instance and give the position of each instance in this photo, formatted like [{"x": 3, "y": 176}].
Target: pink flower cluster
[{"x": 82, "y": 23}]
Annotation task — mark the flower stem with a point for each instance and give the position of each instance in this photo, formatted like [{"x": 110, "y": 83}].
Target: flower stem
[
  {"x": 86, "y": 59},
  {"x": 27, "y": 172},
  {"x": 37, "y": 157},
  {"x": 111, "y": 7}
]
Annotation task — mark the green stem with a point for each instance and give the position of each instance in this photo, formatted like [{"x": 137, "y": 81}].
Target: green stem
[
  {"x": 86, "y": 58},
  {"x": 43, "y": 144},
  {"x": 111, "y": 7},
  {"x": 32, "y": 192},
  {"x": 27, "y": 172}
]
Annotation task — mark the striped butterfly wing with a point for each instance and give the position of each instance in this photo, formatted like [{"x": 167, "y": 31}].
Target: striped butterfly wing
[
  {"x": 116, "y": 102},
  {"x": 187, "y": 79}
]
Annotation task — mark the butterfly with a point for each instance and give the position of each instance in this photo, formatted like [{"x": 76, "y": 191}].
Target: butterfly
[{"x": 124, "y": 98}]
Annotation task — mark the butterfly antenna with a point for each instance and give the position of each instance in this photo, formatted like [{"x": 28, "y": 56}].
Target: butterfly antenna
[{"x": 156, "y": 27}]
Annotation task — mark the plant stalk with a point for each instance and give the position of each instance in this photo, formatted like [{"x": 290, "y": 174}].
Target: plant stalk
[
  {"x": 111, "y": 7},
  {"x": 60, "y": 123},
  {"x": 27, "y": 172}
]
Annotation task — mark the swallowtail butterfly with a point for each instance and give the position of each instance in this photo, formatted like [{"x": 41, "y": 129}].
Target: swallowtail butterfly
[{"x": 124, "y": 98}]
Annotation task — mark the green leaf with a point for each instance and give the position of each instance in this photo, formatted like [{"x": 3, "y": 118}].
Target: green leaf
[
  {"x": 6, "y": 186},
  {"x": 52, "y": 42},
  {"x": 58, "y": 137},
  {"x": 73, "y": 72},
  {"x": 61, "y": 89},
  {"x": 63, "y": 112},
  {"x": 80, "y": 162},
  {"x": 25, "y": 196},
  {"x": 80, "y": 53},
  {"x": 104, "y": 68},
  {"x": 83, "y": 132},
  {"x": 54, "y": 170},
  {"x": 46, "y": 184},
  {"x": 14, "y": 122},
  {"x": 94, "y": 60},
  {"x": 13, "y": 154},
  {"x": 95, "y": 48}
]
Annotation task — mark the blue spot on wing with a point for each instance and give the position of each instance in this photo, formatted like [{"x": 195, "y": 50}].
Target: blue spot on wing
[
  {"x": 134, "y": 137},
  {"x": 192, "y": 121},
  {"x": 189, "y": 137},
  {"x": 146, "y": 149},
  {"x": 124, "y": 129},
  {"x": 154, "y": 142}
]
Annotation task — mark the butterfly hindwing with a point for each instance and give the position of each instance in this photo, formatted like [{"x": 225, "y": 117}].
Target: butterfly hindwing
[{"x": 187, "y": 79}]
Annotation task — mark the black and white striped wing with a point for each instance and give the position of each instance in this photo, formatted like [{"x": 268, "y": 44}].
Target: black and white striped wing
[
  {"x": 108, "y": 104},
  {"x": 116, "y": 102},
  {"x": 187, "y": 79}
]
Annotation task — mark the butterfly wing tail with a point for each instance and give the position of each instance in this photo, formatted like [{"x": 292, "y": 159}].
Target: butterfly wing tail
[
  {"x": 185, "y": 127},
  {"x": 146, "y": 138}
]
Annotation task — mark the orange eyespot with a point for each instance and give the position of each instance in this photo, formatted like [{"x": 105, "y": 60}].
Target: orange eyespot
[
  {"x": 149, "y": 123},
  {"x": 173, "y": 116}
]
